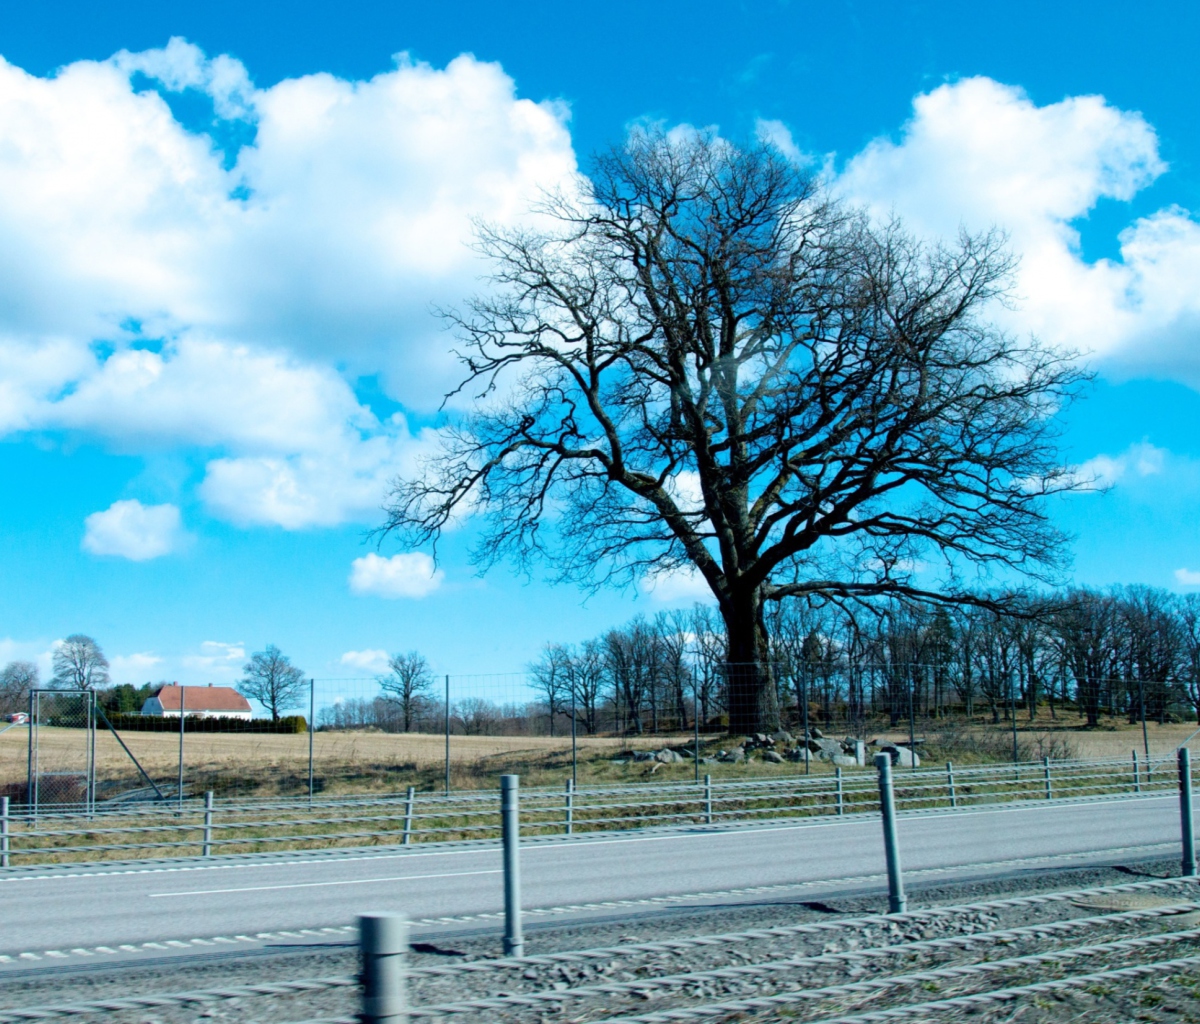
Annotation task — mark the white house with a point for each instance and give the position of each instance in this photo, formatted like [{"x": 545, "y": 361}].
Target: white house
[{"x": 201, "y": 701}]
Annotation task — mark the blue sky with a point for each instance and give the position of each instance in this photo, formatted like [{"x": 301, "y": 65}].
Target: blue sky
[{"x": 218, "y": 254}]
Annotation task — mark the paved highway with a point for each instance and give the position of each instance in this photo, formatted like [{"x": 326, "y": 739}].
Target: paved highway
[{"x": 90, "y": 905}]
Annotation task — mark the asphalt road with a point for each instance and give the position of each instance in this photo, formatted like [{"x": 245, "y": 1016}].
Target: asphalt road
[{"x": 90, "y": 905}]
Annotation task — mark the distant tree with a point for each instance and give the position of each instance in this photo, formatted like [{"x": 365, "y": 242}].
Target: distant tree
[
  {"x": 16, "y": 680},
  {"x": 407, "y": 684},
  {"x": 272, "y": 680},
  {"x": 79, "y": 664},
  {"x": 125, "y": 698},
  {"x": 552, "y": 679}
]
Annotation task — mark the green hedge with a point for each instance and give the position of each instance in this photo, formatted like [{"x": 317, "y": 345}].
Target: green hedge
[{"x": 155, "y": 723}]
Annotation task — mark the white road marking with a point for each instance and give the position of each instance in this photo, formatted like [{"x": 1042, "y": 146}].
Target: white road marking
[{"x": 318, "y": 885}]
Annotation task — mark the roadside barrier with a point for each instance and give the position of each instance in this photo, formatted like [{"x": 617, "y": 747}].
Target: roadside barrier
[{"x": 207, "y": 826}]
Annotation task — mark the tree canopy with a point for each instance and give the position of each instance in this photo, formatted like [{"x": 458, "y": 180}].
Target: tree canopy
[{"x": 706, "y": 363}]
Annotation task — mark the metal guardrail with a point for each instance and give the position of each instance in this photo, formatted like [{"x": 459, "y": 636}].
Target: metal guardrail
[{"x": 196, "y": 827}]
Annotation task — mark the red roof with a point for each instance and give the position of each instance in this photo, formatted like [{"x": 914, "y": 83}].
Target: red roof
[{"x": 202, "y": 698}]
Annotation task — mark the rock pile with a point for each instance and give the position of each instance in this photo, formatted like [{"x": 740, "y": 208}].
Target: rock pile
[{"x": 782, "y": 746}]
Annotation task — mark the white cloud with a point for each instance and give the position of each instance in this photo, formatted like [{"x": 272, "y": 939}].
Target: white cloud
[
  {"x": 367, "y": 661},
  {"x": 1101, "y": 471},
  {"x": 135, "y": 531},
  {"x": 132, "y": 668},
  {"x": 978, "y": 153},
  {"x": 1187, "y": 577},
  {"x": 404, "y": 575},
  {"x": 681, "y": 585},
  {"x": 224, "y": 295}
]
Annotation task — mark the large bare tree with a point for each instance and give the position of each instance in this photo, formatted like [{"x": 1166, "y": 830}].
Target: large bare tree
[
  {"x": 407, "y": 683},
  {"x": 79, "y": 664},
  {"x": 272, "y": 680},
  {"x": 707, "y": 364}
]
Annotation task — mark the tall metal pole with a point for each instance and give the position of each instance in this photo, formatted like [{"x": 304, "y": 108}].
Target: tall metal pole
[
  {"x": 383, "y": 941},
  {"x": 1145, "y": 735},
  {"x": 897, "y": 901},
  {"x": 912, "y": 721},
  {"x": 91, "y": 721},
  {"x": 3, "y": 831},
  {"x": 447, "y": 735},
  {"x": 312, "y": 724},
  {"x": 804, "y": 712},
  {"x": 574, "y": 732},
  {"x": 696, "y": 728},
  {"x": 30, "y": 781},
  {"x": 510, "y": 829},
  {"x": 1012, "y": 713},
  {"x": 182, "y": 691},
  {"x": 1185, "y": 812}
]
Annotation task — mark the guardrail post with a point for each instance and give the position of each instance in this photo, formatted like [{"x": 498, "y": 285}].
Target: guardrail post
[
  {"x": 950, "y": 784},
  {"x": 570, "y": 805},
  {"x": 1046, "y": 768},
  {"x": 208, "y": 816},
  {"x": 1185, "y": 812},
  {"x": 510, "y": 827},
  {"x": 3, "y": 831},
  {"x": 841, "y": 801},
  {"x": 708, "y": 799},
  {"x": 897, "y": 901},
  {"x": 1137, "y": 775},
  {"x": 383, "y": 941},
  {"x": 409, "y": 799}
]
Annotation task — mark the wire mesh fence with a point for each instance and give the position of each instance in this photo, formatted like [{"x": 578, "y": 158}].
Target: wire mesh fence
[
  {"x": 594, "y": 725},
  {"x": 230, "y": 825}
]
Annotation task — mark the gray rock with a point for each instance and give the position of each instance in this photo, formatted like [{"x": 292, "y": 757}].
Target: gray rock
[
  {"x": 844, "y": 760},
  {"x": 666, "y": 756},
  {"x": 772, "y": 756},
  {"x": 736, "y": 756},
  {"x": 782, "y": 736},
  {"x": 901, "y": 757},
  {"x": 816, "y": 733},
  {"x": 643, "y": 755}
]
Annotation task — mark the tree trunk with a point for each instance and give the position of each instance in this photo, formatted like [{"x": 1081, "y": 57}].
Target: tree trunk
[{"x": 753, "y": 701}]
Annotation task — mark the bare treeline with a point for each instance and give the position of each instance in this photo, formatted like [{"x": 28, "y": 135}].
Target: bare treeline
[
  {"x": 1085, "y": 654},
  {"x": 1123, "y": 652}
]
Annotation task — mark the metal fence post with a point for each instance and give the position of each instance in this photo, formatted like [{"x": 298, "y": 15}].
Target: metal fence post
[
  {"x": 3, "y": 832},
  {"x": 1046, "y": 767},
  {"x": 708, "y": 799},
  {"x": 1137, "y": 775},
  {"x": 1185, "y": 812},
  {"x": 841, "y": 801},
  {"x": 570, "y": 804},
  {"x": 409, "y": 798},
  {"x": 208, "y": 816},
  {"x": 447, "y": 735},
  {"x": 383, "y": 941},
  {"x": 182, "y": 691},
  {"x": 510, "y": 825},
  {"x": 312, "y": 725},
  {"x": 950, "y": 783},
  {"x": 897, "y": 901}
]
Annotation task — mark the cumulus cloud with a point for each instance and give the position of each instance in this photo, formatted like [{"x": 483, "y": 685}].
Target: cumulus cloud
[
  {"x": 132, "y": 668},
  {"x": 680, "y": 585},
  {"x": 370, "y": 660},
  {"x": 405, "y": 575},
  {"x": 978, "y": 153},
  {"x": 217, "y": 657},
  {"x": 1187, "y": 577},
  {"x": 162, "y": 288},
  {"x": 129, "y": 529},
  {"x": 1102, "y": 471}
]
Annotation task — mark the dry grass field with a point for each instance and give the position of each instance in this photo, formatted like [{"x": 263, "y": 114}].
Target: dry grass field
[{"x": 267, "y": 764}]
